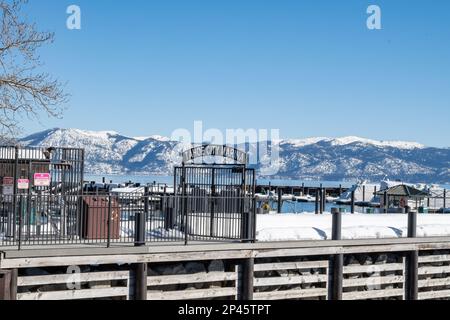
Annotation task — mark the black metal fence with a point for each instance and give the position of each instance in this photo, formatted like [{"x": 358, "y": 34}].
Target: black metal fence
[
  {"x": 129, "y": 218},
  {"x": 65, "y": 167}
]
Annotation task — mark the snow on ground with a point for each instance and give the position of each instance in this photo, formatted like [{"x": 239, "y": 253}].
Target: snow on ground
[
  {"x": 308, "y": 226},
  {"x": 294, "y": 227}
]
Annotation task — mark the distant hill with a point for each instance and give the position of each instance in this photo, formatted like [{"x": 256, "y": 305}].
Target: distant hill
[{"x": 341, "y": 159}]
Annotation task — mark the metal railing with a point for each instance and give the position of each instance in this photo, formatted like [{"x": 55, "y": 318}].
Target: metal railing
[{"x": 131, "y": 218}]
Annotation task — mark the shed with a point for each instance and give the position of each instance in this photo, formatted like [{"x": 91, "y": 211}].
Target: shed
[{"x": 399, "y": 196}]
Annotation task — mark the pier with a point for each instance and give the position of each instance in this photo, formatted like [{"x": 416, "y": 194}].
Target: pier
[{"x": 198, "y": 241}]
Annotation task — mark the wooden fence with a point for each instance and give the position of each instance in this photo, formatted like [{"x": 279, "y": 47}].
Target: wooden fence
[{"x": 371, "y": 269}]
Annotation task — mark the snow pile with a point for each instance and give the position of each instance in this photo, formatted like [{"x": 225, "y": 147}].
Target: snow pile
[
  {"x": 162, "y": 233},
  {"x": 308, "y": 226}
]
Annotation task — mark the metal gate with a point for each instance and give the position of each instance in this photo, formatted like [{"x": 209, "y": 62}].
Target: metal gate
[
  {"x": 39, "y": 187},
  {"x": 65, "y": 167},
  {"x": 215, "y": 201}
]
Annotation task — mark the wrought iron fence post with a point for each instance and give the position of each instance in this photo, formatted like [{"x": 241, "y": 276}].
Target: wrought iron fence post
[
  {"x": 21, "y": 209},
  {"x": 337, "y": 261},
  {"x": 412, "y": 262},
  {"x": 109, "y": 221},
  {"x": 140, "y": 218}
]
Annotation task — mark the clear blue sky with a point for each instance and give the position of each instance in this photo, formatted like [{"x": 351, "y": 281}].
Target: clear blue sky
[{"x": 309, "y": 68}]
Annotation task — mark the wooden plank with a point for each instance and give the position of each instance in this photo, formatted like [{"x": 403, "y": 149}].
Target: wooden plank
[
  {"x": 191, "y": 278},
  {"x": 291, "y": 265},
  {"x": 44, "y": 257},
  {"x": 333, "y": 250},
  {"x": 75, "y": 294},
  {"x": 433, "y": 270},
  {"x": 178, "y": 247},
  {"x": 373, "y": 294},
  {"x": 373, "y": 268},
  {"x": 373, "y": 281},
  {"x": 434, "y": 258},
  {"x": 291, "y": 294},
  {"x": 434, "y": 295},
  {"x": 280, "y": 281},
  {"x": 428, "y": 283},
  {"x": 191, "y": 294},
  {"x": 81, "y": 277},
  {"x": 122, "y": 259}
]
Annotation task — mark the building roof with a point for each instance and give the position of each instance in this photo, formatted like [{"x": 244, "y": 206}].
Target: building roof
[{"x": 404, "y": 191}]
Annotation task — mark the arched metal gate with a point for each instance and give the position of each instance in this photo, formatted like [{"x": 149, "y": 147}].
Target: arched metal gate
[{"x": 215, "y": 200}]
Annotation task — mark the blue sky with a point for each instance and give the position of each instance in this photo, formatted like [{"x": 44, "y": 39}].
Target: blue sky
[{"x": 308, "y": 68}]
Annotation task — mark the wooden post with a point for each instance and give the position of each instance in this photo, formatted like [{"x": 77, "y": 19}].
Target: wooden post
[
  {"x": 324, "y": 200},
  {"x": 353, "y": 202},
  {"x": 8, "y": 284},
  {"x": 5, "y": 283},
  {"x": 336, "y": 261},
  {"x": 445, "y": 198},
  {"x": 303, "y": 189},
  {"x": 386, "y": 204},
  {"x": 280, "y": 201},
  {"x": 412, "y": 262},
  {"x": 317, "y": 201},
  {"x": 321, "y": 199},
  {"x": 13, "y": 284},
  {"x": 246, "y": 279},
  {"x": 140, "y": 292},
  {"x": 364, "y": 193}
]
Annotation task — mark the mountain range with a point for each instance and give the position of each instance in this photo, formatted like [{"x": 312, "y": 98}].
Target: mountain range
[{"x": 321, "y": 159}]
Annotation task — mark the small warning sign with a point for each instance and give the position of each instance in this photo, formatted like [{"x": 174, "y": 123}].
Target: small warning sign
[
  {"x": 23, "y": 184},
  {"x": 8, "y": 181},
  {"x": 42, "y": 179}
]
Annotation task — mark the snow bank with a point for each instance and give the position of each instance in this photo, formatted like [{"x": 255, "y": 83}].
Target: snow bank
[
  {"x": 307, "y": 226},
  {"x": 290, "y": 227}
]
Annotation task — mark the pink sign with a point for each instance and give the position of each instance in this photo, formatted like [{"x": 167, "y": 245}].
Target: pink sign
[
  {"x": 42, "y": 179},
  {"x": 23, "y": 184},
  {"x": 8, "y": 181}
]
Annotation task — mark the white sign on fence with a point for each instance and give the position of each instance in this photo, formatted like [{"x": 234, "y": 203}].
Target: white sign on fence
[
  {"x": 42, "y": 179},
  {"x": 23, "y": 184}
]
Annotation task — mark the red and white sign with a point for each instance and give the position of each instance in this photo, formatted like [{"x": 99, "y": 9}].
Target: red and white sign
[
  {"x": 23, "y": 184},
  {"x": 42, "y": 179},
  {"x": 8, "y": 181}
]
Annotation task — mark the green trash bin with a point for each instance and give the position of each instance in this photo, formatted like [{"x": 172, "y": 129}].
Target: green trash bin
[
  {"x": 370, "y": 210},
  {"x": 423, "y": 210}
]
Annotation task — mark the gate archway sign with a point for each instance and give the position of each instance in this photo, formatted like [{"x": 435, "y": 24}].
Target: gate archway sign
[{"x": 206, "y": 151}]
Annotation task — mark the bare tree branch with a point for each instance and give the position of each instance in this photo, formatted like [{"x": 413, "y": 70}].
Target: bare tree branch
[{"x": 24, "y": 90}]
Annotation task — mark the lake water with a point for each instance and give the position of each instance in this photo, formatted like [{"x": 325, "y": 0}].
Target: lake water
[
  {"x": 288, "y": 207},
  {"x": 169, "y": 180}
]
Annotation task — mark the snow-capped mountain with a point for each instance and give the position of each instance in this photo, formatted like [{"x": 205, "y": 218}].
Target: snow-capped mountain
[{"x": 347, "y": 158}]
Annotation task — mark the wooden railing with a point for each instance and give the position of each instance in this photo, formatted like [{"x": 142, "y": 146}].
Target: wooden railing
[{"x": 372, "y": 269}]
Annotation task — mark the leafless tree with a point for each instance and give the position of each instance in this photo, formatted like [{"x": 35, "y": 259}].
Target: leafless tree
[{"x": 25, "y": 90}]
